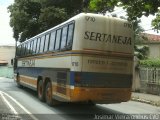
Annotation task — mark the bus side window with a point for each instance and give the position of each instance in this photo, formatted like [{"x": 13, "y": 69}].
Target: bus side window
[
  {"x": 18, "y": 50},
  {"x": 64, "y": 38},
  {"x": 25, "y": 49},
  {"x": 38, "y": 45},
  {"x": 34, "y": 46},
  {"x": 31, "y": 48},
  {"x": 22, "y": 50},
  {"x": 46, "y": 43},
  {"x": 42, "y": 44},
  {"x": 58, "y": 38},
  {"x": 52, "y": 41},
  {"x": 70, "y": 37}
]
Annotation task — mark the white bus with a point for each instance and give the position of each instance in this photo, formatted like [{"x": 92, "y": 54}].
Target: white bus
[{"x": 88, "y": 58}]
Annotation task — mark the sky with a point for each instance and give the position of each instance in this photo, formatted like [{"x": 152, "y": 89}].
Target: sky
[
  {"x": 5, "y": 29},
  {"x": 6, "y": 35},
  {"x": 146, "y": 24}
]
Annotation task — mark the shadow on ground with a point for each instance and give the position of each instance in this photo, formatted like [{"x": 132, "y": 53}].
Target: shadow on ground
[{"x": 74, "y": 111}]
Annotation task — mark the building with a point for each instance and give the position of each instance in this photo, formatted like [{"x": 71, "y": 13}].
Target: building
[
  {"x": 153, "y": 42},
  {"x": 150, "y": 76},
  {"x": 6, "y": 54}
]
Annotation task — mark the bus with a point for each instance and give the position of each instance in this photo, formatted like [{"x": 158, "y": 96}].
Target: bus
[{"x": 88, "y": 58}]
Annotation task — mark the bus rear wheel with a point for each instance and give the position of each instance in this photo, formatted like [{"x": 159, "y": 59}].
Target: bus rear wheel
[
  {"x": 48, "y": 94},
  {"x": 40, "y": 91}
]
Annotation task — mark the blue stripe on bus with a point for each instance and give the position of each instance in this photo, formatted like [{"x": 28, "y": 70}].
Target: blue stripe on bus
[
  {"x": 51, "y": 73},
  {"x": 85, "y": 78},
  {"x": 72, "y": 76},
  {"x": 31, "y": 72},
  {"x": 91, "y": 79}
]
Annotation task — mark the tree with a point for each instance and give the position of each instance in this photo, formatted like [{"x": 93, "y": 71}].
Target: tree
[
  {"x": 138, "y": 30},
  {"x": 156, "y": 22},
  {"x": 135, "y": 8},
  {"x": 102, "y": 5},
  {"x": 24, "y": 18},
  {"x": 72, "y": 7},
  {"x": 141, "y": 52},
  {"x": 30, "y": 17},
  {"x": 51, "y": 16}
]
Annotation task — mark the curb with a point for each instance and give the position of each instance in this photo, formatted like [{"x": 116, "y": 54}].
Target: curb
[{"x": 154, "y": 103}]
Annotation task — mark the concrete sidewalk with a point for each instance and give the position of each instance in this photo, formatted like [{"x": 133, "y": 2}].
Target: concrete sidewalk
[{"x": 146, "y": 98}]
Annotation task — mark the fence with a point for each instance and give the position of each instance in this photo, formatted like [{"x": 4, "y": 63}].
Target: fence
[
  {"x": 150, "y": 80},
  {"x": 6, "y": 71}
]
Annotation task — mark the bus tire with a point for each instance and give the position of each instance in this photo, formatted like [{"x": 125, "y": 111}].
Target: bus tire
[
  {"x": 91, "y": 103},
  {"x": 48, "y": 94},
  {"x": 40, "y": 91}
]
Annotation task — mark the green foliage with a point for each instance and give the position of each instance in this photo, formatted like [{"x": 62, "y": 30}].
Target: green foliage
[
  {"x": 51, "y": 16},
  {"x": 30, "y": 17},
  {"x": 24, "y": 18},
  {"x": 71, "y": 7},
  {"x": 156, "y": 22},
  {"x": 102, "y": 5},
  {"x": 141, "y": 52},
  {"x": 150, "y": 63},
  {"x": 137, "y": 32},
  {"x": 135, "y": 8}
]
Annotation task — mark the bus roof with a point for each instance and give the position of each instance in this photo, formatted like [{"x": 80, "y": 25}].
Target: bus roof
[{"x": 75, "y": 18}]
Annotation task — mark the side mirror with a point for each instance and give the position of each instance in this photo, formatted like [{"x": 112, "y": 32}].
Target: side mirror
[{"x": 12, "y": 61}]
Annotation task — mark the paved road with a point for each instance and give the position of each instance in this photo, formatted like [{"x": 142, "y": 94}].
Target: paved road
[{"x": 26, "y": 104}]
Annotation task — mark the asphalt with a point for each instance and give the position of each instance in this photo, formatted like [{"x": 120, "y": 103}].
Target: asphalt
[
  {"x": 4, "y": 108},
  {"x": 5, "y": 111},
  {"x": 140, "y": 97}
]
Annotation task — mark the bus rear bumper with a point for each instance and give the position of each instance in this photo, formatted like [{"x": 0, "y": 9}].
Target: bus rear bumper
[{"x": 100, "y": 95}]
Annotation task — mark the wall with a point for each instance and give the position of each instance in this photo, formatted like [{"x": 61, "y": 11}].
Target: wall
[
  {"x": 7, "y": 53},
  {"x": 154, "y": 50},
  {"x": 6, "y": 71},
  {"x": 150, "y": 80}
]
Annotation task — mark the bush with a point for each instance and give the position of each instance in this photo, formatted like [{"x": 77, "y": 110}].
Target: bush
[{"x": 150, "y": 63}]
